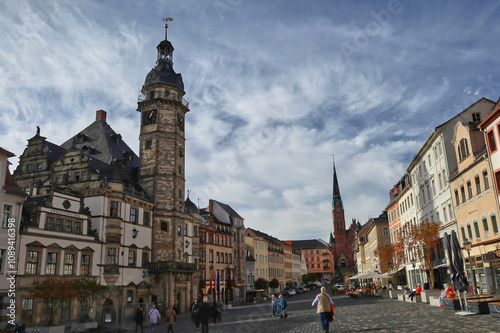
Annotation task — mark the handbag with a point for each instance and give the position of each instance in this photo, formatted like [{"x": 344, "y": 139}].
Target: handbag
[{"x": 331, "y": 315}]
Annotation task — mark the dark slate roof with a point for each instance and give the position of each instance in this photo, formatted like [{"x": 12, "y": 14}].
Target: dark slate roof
[
  {"x": 101, "y": 142},
  {"x": 309, "y": 244},
  {"x": 163, "y": 73},
  {"x": 267, "y": 237},
  {"x": 332, "y": 240},
  {"x": 190, "y": 207},
  {"x": 228, "y": 209}
]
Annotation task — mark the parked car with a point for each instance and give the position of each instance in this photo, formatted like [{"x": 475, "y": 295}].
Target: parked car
[
  {"x": 285, "y": 293},
  {"x": 292, "y": 292},
  {"x": 340, "y": 286}
]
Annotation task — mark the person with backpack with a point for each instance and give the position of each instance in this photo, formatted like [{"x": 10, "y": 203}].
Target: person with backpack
[
  {"x": 154, "y": 316},
  {"x": 283, "y": 307},
  {"x": 323, "y": 302},
  {"x": 274, "y": 305}
]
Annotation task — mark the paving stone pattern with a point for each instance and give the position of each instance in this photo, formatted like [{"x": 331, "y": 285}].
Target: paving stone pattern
[{"x": 352, "y": 315}]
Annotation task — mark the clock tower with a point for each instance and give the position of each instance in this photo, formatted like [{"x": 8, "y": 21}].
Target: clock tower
[{"x": 162, "y": 110}]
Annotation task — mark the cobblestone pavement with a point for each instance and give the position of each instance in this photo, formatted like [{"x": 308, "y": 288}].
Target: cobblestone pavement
[{"x": 372, "y": 314}]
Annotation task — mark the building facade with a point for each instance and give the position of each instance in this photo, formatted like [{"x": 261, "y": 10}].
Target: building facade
[
  {"x": 221, "y": 252},
  {"x": 11, "y": 203},
  {"x": 430, "y": 170},
  {"x": 343, "y": 263},
  {"x": 484, "y": 255}
]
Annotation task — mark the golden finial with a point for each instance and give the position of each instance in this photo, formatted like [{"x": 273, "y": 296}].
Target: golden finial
[
  {"x": 166, "y": 25},
  {"x": 166, "y": 20}
]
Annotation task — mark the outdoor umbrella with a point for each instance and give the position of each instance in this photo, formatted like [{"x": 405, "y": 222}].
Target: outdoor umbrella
[
  {"x": 459, "y": 279},
  {"x": 448, "y": 252}
]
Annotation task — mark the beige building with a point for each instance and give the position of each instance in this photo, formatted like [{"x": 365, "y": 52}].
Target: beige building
[
  {"x": 481, "y": 227},
  {"x": 288, "y": 259},
  {"x": 260, "y": 248},
  {"x": 370, "y": 236}
]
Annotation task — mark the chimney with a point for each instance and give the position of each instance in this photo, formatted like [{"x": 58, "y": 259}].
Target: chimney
[{"x": 100, "y": 115}]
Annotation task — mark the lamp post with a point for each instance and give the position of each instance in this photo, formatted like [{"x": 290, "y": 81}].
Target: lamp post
[
  {"x": 413, "y": 262},
  {"x": 468, "y": 246}
]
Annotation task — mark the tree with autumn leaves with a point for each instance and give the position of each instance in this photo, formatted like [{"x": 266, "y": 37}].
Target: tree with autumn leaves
[
  {"x": 54, "y": 290},
  {"x": 418, "y": 241}
]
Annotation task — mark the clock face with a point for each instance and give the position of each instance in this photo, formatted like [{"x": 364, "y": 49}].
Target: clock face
[{"x": 148, "y": 117}]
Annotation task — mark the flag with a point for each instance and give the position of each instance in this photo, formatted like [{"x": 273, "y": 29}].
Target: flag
[{"x": 218, "y": 282}]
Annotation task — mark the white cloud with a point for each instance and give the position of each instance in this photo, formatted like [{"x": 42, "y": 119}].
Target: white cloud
[{"x": 272, "y": 96}]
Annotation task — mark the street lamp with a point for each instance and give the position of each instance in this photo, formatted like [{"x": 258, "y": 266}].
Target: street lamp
[
  {"x": 413, "y": 262},
  {"x": 468, "y": 246}
]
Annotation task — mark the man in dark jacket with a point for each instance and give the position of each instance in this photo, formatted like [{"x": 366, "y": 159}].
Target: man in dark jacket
[
  {"x": 205, "y": 315},
  {"x": 195, "y": 313},
  {"x": 139, "y": 318}
]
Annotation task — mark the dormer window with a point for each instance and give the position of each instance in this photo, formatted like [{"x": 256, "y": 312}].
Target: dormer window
[{"x": 463, "y": 149}]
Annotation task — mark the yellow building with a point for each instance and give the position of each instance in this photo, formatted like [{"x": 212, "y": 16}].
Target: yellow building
[
  {"x": 260, "y": 246},
  {"x": 288, "y": 258}
]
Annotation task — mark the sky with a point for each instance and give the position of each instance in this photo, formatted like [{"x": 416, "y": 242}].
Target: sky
[{"x": 276, "y": 89}]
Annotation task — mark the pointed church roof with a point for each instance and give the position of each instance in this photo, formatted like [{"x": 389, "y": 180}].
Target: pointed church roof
[
  {"x": 337, "y": 199},
  {"x": 332, "y": 240}
]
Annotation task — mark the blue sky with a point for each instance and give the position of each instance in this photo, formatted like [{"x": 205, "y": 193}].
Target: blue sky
[{"x": 275, "y": 89}]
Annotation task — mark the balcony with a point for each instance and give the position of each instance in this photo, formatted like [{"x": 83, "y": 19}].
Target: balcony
[
  {"x": 164, "y": 95},
  {"x": 170, "y": 266}
]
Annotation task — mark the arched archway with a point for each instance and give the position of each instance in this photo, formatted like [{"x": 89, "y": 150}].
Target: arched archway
[{"x": 108, "y": 312}]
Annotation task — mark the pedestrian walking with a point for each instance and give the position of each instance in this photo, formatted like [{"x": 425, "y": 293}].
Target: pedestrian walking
[
  {"x": 195, "y": 310},
  {"x": 154, "y": 316},
  {"x": 215, "y": 313},
  {"x": 205, "y": 315},
  {"x": 221, "y": 307},
  {"x": 171, "y": 315},
  {"x": 323, "y": 302},
  {"x": 176, "y": 309},
  {"x": 274, "y": 305},
  {"x": 283, "y": 306},
  {"x": 139, "y": 318}
]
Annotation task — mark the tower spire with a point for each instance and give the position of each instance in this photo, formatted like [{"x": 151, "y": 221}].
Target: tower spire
[
  {"x": 166, "y": 25},
  {"x": 337, "y": 199}
]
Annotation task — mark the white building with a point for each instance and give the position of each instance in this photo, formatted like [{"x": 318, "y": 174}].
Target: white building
[
  {"x": 11, "y": 203},
  {"x": 430, "y": 171}
]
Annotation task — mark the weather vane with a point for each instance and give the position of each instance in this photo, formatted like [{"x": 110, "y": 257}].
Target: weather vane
[{"x": 166, "y": 25}]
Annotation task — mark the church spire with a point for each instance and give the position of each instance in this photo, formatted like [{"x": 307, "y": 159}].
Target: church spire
[{"x": 337, "y": 199}]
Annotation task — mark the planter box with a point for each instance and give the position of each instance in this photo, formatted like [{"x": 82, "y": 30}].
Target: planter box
[
  {"x": 401, "y": 297},
  {"x": 480, "y": 306},
  {"x": 426, "y": 294},
  {"x": 451, "y": 303},
  {"x": 416, "y": 299},
  {"x": 494, "y": 308},
  {"x": 393, "y": 293},
  {"x": 434, "y": 300}
]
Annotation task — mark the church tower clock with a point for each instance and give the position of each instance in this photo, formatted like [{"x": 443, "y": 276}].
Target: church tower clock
[{"x": 162, "y": 110}]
